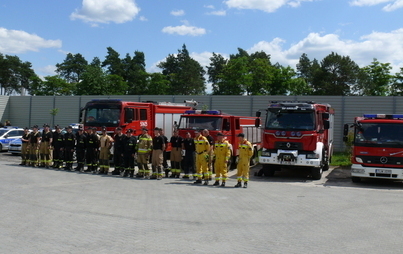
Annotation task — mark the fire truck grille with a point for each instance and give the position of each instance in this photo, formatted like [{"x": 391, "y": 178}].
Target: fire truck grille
[
  {"x": 288, "y": 145},
  {"x": 382, "y": 160}
]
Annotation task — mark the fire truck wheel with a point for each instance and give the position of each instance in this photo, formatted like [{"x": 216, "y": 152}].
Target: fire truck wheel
[
  {"x": 268, "y": 170},
  {"x": 355, "y": 179},
  {"x": 317, "y": 173}
]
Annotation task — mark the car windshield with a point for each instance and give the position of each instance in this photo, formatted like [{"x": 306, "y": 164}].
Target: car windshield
[
  {"x": 290, "y": 120},
  {"x": 102, "y": 115},
  {"x": 374, "y": 134},
  {"x": 200, "y": 122},
  {"x": 2, "y": 132}
]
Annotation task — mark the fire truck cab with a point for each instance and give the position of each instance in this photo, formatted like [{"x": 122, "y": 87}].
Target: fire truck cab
[
  {"x": 377, "y": 150},
  {"x": 215, "y": 121},
  {"x": 297, "y": 134},
  {"x": 113, "y": 113}
]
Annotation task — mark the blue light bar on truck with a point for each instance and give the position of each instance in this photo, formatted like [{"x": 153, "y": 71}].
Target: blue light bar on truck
[
  {"x": 383, "y": 116},
  {"x": 206, "y": 112}
]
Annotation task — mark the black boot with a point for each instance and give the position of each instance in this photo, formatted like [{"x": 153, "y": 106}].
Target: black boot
[
  {"x": 245, "y": 184},
  {"x": 131, "y": 173},
  {"x": 239, "y": 184},
  {"x": 167, "y": 173},
  {"x": 223, "y": 184},
  {"x": 205, "y": 182},
  {"x": 216, "y": 183},
  {"x": 198, "y": 181},
  {"x": 126, "y": 173}
]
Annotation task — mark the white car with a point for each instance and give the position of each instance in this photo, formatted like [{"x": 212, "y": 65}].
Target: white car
[{"x": 8, "y": 134}]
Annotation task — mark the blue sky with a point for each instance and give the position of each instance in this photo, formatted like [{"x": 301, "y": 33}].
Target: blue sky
[{"x": 44, "y": 31}]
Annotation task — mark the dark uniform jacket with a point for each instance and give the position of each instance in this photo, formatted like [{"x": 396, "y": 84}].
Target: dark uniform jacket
[
  {"x": 92, "y": 141},
  {"x": 176, "y": 142},
  {"x": 58, "y": 139},
  {"x": 69, "y": 140},
  {"x": 119, "y": 143},
  {"x": 130, "y": 145},
  {"x": 80, "y": 141}
]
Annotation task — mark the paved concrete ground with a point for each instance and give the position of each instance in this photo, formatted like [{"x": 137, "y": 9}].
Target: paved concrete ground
[{"x": 49, "y": 211}]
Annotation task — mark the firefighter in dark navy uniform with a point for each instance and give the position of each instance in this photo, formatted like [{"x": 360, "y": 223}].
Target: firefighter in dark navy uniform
[
  {"x": 118, "y": 151},
  {"x": 58, "y": 144},
  {"x": 129, "y": 152},
  {"x": 80, "y": 148},
  {"x": 69, "y": 145},
  {"x": 92, "y": 150}
]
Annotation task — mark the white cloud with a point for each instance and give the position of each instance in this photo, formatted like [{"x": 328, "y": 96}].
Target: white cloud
[
  {"x": 178, "y": 13},
  {"x": 386, "y": 47},
  {"x": 17, "y": 41},
  {"x": 391, "y": 6},
  {"x": 142, "y": 18},
  {"x": 105, "y": 11},
  {"x": 209, "y": 6},
  {"x": 217, "y": 13},
  {"x": 264, "y": 5},
  {"x": 184, "y": 30}
]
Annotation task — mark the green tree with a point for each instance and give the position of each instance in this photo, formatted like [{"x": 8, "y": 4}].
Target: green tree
[
  {"x": 95, "y": 81},
  {"x": 214, "y": 70},
  {"x": 52, "y": 86},
  {"x": 235, "y": 78},
  {"x": 374, "y": 79},
  {"x": 156, "y": 84},
  {"x": 336, "y": 76},
  {"x": 72, "y": 68},
  {"x": 135, "y": 73},
  {"x": 113, "y": 63},
  {"x": 15, "y": 76},
  {"x": 185, "y": 75},
  {"x": 397, "y": 84}
]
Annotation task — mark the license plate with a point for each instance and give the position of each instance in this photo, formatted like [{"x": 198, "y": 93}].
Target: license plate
[
  {"x": 287, "y": 162},
  {"x": 383, "y": 171}
]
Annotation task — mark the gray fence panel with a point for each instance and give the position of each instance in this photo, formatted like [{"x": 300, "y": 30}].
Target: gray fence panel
[
  {"x": 20, "y": 110},
  {"x": 68, "y": 110},
  {"x": 41, "y": 108},
  {"x": 4, "y": 109}
]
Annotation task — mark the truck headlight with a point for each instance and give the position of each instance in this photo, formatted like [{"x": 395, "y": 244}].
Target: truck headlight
[
  {"x": 266, "y": 154},
  {"x": 312, "y": 156},
  {"x": 359, "y": 160},
  {"x": 358, "y": 170}
]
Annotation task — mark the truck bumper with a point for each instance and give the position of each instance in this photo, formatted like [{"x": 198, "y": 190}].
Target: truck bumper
[
  {"x": 297, "y": 160},
  {"x": 357, "y": 170}
]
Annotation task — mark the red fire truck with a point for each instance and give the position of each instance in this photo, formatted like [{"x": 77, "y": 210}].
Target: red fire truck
[
  {"x": 377, "y": 147},
  {"x": 215, "y": 121},
  {"x": 112, "y": 113},
  {"x": 297, "y": 134}
]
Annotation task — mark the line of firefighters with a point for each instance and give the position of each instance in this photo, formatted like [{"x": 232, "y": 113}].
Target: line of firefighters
[{"x": 195, "y": 155}]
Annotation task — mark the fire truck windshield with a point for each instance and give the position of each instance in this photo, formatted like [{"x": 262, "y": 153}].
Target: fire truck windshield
[
  {"x": 200, "y": 122},
  {"x": 102, "y": 115},
  {"x": 379, "y": 134},
  {"x": 290, "y": 120}
]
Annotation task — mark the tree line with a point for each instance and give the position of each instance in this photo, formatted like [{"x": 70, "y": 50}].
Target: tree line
[{"x": 240, "y": 74}]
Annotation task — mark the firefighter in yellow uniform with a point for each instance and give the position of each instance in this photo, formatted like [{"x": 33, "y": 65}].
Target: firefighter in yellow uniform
[
  {"x": 144, "y": 148},
  {"x": 245, "y": 152},
  {"x": 222, "y": 152},
  {"x": 202, "y": 157}
]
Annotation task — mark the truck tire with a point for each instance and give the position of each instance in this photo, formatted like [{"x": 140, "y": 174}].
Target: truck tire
[
  {"x": 254, "y": 158},
  {"x": 355, "y": 179},
  {"x": 316, "y": 173},
  {"x": 268, "y": 170}
]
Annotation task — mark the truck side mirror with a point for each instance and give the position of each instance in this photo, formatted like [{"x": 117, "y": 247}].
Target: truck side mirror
[
  {"x": 326, "y": 124},
  {"x": 325, "y": 115},
  {"x": 80, "y": 115},
  {"x": 257, "y": 122},
  {"x": 258, "y": 113},
  {"x": 345, "y": 130}
]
